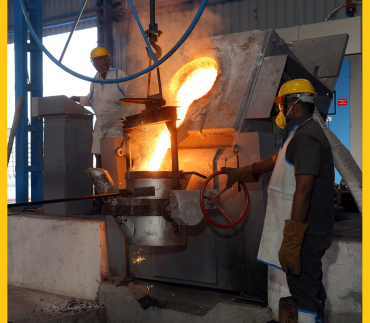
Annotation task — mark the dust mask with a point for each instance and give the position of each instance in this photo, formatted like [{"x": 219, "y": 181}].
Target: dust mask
[{"x": 281, "y": 118}]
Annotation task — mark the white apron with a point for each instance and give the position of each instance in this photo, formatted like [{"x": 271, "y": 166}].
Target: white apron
[
  {"x": 279, "y": 206},
  {"x": 104, "y": 100}
]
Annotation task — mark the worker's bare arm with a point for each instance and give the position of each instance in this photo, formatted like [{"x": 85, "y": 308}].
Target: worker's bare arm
[
  {"x": 265, "y": 165},
  {"x": 302, "y": 197},
  {"x": 75, "y": 98}
]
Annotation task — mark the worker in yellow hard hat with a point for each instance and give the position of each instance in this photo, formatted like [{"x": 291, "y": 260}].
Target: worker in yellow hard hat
[
  {"x": 104, "y": 100},
  {"x": 298, "y": 226}
]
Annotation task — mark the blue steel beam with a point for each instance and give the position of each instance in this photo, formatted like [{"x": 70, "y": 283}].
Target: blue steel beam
[
  {"x": 127, "y": 78},
  {"x": 21, "y": 137},
  {"x": 36, "y": 80},
  {"x": 73, "y": 29},
  {"x": 105, "y": 26},
  {"x": 21, "y": 48}
]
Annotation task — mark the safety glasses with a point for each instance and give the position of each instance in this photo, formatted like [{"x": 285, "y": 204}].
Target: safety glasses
[
  {"x": 281, "y": 106},
  {"x": 99, "y": 62}
]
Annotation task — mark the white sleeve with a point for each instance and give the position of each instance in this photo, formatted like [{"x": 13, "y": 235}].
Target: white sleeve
[
  {"x": 125, "y": 85},
  {"x": 84, "y": 100}
]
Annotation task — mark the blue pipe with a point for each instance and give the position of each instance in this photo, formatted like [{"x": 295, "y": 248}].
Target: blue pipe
[
  {"x": 73, "y": 29},
  {"x": 142, "y": 31},
  {"x": 123, "y": 79}
]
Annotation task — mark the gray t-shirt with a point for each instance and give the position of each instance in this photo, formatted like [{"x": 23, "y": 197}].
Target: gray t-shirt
[{"x": 310, "y": 153}]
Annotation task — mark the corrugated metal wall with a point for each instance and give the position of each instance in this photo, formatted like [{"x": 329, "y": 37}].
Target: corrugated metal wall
[
  {"x": 174, "y": 16},
  {"x": 65, "y": 10},
  {"x": 220, "y": 17}
]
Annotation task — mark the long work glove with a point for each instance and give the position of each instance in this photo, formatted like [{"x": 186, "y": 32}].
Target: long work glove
[
  {"x": 290, "y": 250},
  {"x": 242, "y": 174}
]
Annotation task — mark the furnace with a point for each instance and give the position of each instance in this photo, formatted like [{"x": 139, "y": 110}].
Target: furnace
[{"x": 214, "y": 109}]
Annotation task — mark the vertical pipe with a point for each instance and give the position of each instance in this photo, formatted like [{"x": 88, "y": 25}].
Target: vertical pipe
[
  {"x": 36, "y": 79},
  {"x": 159, "y": 82},
  {"x": 171, "y": 125},
  {"x": 105, "y": 27},
  {"x": 21, "y": 138},
  {"x": 126, "y": 138},
  {"x": 149, "y": 78}
]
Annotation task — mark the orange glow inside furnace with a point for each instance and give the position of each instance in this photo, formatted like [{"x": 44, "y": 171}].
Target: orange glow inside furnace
[{"x": 190, "y": 83}]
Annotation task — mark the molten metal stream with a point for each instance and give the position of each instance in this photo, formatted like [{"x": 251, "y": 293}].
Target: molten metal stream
[{"x": 196, "y": 85}]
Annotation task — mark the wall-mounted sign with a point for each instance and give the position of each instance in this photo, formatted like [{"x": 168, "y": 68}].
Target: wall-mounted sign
[{"x": 342, "y": 102}]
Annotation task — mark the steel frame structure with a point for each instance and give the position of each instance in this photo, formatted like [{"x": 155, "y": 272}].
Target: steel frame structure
[
  {"x": 104, "y": 10},
  {"x": 156, "y": 64},
  {"x": 34, "y": 23},
  {"x": 25, "y": 82}
]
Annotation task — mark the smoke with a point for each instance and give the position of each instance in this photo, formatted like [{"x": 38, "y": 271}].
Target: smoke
[
  {"x": 132, "y": 56},
  {"x": 133, "y": 59}
]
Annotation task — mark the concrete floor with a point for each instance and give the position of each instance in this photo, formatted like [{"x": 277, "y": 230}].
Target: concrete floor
[
  {"x": 122, "y": 304},
  {"x": 347, "y": 224},
  {"x": 29, "y": 305},
  {"x": 176, "y": 303}
]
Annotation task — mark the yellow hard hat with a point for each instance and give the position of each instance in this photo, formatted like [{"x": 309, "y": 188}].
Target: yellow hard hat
[
  {"x": 98, "y": 51},
  {"x": 295, "y": 86}
]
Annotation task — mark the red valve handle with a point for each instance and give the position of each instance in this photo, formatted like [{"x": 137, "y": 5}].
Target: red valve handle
[{"x": 216, "y": 200}]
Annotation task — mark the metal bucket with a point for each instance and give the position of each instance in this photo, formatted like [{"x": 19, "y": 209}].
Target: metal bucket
[
  {"x": 143, "y": 223},
  {"x": 161, "y": 180}
]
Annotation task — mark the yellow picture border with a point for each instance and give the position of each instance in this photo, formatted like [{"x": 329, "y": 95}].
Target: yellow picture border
[
  {"x": 365, "y": 158},
  {"x": 3, "y": 145}
]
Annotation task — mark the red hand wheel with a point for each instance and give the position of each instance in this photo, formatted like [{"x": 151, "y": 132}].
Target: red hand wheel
[{"x": 216, "y": 200}]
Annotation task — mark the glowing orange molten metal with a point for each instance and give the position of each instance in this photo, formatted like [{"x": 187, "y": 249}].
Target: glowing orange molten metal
[{"x": 203, "y": 73}]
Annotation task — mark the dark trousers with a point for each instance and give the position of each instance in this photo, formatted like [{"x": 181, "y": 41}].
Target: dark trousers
[
  {"x": 98, "y": 161},
  {"x": 307, "y": 287}
]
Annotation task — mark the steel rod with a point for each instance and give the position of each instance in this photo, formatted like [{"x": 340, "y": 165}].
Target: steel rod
[
  {"x": 153, "y": 14},
  {"x": 159, "y": 82},
  {"x": 13, "y": 130},
  {"x": 195, "y": 173},
  {"x": 171, "y": 125},
  {"x": 73, "y": 29},
  {"x": 126, "y": 137},
  {"x": 142, "y": 31},
  {"x": 149, "y": 77},
  {"x": 141, "y": 191},
  {"x": 123, "y": 79}
]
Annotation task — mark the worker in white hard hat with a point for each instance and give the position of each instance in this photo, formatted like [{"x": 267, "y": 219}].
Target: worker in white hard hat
[
  {"x": 104, "y": 100},
  {"x": 299, "y": 222}
]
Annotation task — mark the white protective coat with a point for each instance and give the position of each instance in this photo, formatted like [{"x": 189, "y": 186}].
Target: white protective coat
[
  {"x": 104, "y": 100},
  {"x": 279, "y": 206}
]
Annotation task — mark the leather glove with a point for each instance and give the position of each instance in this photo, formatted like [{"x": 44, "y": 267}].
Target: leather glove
[
  {"x": 242, "y": 174},
  {"x": 290, "y": 250}
]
